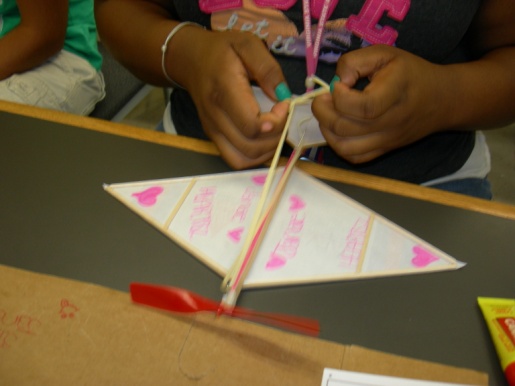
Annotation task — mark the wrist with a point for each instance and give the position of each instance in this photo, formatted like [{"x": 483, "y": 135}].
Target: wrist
[
  {"x": 171, "y": 51},
  {"x": 446, "y": 114}
]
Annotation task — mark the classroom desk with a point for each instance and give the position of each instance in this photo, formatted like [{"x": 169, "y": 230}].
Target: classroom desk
[{"x": 56, "y": 219}]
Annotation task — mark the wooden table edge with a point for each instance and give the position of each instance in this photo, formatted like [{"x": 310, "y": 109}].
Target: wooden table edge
[{"x": 320, "y": 171}]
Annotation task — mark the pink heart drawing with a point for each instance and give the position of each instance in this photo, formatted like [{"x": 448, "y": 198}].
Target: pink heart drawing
[
  {"x": 275, "y": 262},
  {"x": 148, "y": 197},
  {"x": 259, "y": 179},
  {"x": 296, "y": 203},
  {"x": 235, "y": 234},
  {"x": 422, "y": 257}
]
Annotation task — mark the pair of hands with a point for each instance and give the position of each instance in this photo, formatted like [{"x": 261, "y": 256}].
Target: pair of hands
[{"x": 401, "y": 104}]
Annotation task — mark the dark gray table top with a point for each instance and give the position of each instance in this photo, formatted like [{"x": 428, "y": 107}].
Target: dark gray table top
[{"x": 55, "y": 218}]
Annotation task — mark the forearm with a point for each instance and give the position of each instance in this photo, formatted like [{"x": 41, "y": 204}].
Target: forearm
[
  {"x": 138, "y": 47},
  {"x": 479, "y": 94},
  {"x": 26, "y": 48},
  {"x": 38, "y": 37}
]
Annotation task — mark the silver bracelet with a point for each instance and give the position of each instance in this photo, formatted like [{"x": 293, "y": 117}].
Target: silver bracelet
[{"x": 164, "y": 48}]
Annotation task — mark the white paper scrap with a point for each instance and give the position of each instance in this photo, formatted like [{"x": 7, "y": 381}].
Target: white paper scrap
[{"x": 333, "y": 377}]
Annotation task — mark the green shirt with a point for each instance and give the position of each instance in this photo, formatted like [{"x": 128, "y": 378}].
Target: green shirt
[{"x": 81, "y": 31}]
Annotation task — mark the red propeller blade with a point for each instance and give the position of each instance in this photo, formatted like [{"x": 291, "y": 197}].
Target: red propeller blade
[{"x": 180, "y": 300}]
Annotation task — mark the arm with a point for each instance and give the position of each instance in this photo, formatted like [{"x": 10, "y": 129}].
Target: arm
[
  {"x": 138, "y": 47},
  {"x": 39, "y": 35},
  {"x": 400, "y": 106},
  {"x": 215, "y": 67},
  {"x": 488, "y": 84}
]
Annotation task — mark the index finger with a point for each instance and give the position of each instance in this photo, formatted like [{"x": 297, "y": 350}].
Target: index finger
[{"x": 378, "y": 97}]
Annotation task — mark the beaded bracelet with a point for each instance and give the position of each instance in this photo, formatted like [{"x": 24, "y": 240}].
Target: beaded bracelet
[{"x": 164, "y": 48}]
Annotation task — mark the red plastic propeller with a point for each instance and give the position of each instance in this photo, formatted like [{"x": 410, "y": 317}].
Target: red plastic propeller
[{"x": 180, "y": 300}]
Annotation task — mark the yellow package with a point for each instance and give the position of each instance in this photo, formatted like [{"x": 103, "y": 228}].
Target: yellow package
[{"x": 500, "y": 318}]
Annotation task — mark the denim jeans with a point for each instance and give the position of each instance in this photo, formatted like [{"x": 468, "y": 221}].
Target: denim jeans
[{"x": 475, "y": 187}]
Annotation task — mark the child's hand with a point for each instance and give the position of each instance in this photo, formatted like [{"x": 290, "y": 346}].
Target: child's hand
[
  {"x": 221, "y": 67},
  {"x": 405, "y": 101}
]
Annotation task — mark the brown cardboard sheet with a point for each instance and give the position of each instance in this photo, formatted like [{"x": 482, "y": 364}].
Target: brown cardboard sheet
[{"x": 55, "y": 331}]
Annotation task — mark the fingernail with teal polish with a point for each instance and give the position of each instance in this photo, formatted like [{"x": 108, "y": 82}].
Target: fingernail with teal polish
[
  {"x": 333, "y": 82},
  {"x": 282, "y": 92}
]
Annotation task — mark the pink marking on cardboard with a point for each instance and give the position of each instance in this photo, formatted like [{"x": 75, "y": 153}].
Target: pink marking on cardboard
[
  {"x": 7, "y": 338},
  {"x": 259, "y": 179},
  {"x": 148, "y": 197},
  {"x": 11, "y": 326},
  {"x": 422, "y": 257},
  {"x": 68, "y": 309},
  {"x": 235, "y": 234},
  {"x": 296, "y": 203}
]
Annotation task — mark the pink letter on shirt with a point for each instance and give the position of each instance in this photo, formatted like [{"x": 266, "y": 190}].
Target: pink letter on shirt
[
  {"x": 210, "y": 6},
  {"x": 318, "y": 5},
  {"x": 366, "y": 24},
  {"x": 277, "y": 4}
]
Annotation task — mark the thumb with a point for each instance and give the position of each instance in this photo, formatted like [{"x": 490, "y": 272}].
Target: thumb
[{"x": 264, "y": 70}]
